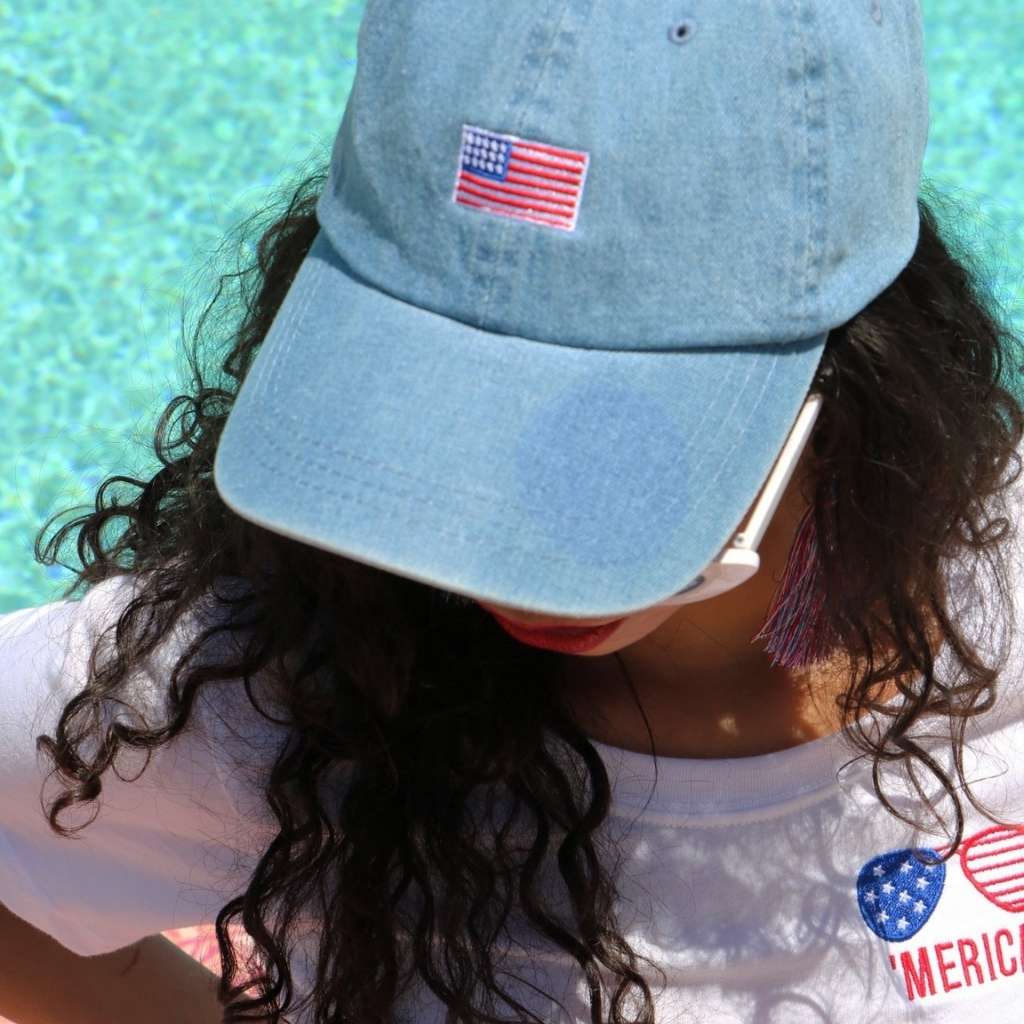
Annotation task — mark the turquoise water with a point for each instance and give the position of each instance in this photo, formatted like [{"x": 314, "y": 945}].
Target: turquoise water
[{"x": 132, "y": 142}]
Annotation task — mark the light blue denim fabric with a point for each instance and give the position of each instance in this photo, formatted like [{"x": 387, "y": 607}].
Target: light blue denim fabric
[{"x": 574, "y": 421}]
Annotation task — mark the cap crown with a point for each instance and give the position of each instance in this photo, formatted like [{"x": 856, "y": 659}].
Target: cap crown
[{"x": 751, "y": 179}]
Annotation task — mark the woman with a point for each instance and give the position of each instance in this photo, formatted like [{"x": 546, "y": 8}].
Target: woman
[{"x": 518, "y": 360}]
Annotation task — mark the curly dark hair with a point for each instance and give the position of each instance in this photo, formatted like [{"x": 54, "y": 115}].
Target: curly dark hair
[{"x": 430, "y": 705}]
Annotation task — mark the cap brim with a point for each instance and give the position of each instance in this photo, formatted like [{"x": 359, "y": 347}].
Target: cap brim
[{"x": 559, "y": 480}]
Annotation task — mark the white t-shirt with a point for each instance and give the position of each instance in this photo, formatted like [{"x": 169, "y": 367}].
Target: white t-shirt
[{"x": 772, "y": 889}]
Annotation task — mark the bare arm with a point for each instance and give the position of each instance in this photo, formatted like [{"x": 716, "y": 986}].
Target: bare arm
[{"x": 43, "y": 982}]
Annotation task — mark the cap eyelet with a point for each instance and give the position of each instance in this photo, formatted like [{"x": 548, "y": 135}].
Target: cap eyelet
[{"x": 681, "y": 31}]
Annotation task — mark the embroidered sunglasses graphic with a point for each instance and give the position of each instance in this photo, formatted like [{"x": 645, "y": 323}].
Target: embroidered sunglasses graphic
[{"x": 899, "y": 891}]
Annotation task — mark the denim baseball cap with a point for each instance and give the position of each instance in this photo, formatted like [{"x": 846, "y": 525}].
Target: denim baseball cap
[{"x": 576, "y": 268}]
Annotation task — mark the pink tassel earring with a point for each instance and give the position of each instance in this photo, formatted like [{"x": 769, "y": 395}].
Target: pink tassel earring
[{"x": 795, "y": 628}]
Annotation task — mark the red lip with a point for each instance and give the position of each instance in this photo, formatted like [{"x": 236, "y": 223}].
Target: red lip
[{"x": 573, "y": 640}]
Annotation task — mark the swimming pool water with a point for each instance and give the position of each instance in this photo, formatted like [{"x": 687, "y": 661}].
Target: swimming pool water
[{"x": 135, "y": 137}]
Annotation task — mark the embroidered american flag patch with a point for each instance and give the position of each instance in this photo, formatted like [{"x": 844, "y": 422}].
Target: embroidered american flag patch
[{"x": 520, "y": 178}]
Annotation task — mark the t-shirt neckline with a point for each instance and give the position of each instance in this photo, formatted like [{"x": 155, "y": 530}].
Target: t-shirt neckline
[
  {"x": 704, "y": 786},
  {"x": 759, "y": 785}
]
